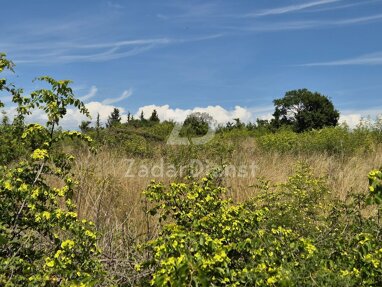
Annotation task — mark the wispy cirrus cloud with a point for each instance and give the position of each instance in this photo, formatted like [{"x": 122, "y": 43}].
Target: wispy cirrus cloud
[
  {"x": 341, "y": 6},
  {"x": 79, "y": 40},
  {"x": 305, "y": 24},
  {"x": 190, "y": 10},
  {"x": 68, "y": 45},
  {"x": 364, "y": 60},
  {"x": 92, "y": 93},
  {"x": 126, "y": 94},
  {"x": 356, "y": 20},
  {"x": 66, "y": 52},
  {"x": 290, "y": 8},
  {"x": 197, "y": 12},
  {"x": 259, "y": 19},
  {"x": 114, "y": 5}
]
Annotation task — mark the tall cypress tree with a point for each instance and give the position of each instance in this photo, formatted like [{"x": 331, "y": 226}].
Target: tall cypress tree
[
  {"x": 114, "y": 118},
  {"x": 154, "y": 117}
]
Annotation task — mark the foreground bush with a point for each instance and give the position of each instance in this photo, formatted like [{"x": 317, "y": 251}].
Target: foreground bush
[
  {"x": 42, "y": 242},
  {"x": 288, "y": 235},
  {"x": 212, "y": 242}
]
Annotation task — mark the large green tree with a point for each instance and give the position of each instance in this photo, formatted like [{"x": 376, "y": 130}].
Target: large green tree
[{"x": 304, "y": 110}]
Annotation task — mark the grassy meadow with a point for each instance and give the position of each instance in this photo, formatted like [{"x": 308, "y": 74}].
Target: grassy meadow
[{"x": 110, "y": 186}]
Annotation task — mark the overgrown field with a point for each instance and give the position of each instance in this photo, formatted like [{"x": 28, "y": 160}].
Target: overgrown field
[
  {"x": 318, "y": 195},
  {"x": 118, "y": 206}
]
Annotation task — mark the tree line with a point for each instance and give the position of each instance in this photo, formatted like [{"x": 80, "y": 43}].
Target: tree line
[{"x": 299, "y": 110}]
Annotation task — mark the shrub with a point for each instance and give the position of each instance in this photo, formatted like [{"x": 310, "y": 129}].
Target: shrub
[
  {"x": 42, "y": 242},
  {"x": 209, "y": 241},
  {"x": 290, "y": 234},
  {"x": 196, "y": 124},
  {"x": 375, "y": 187},
  {"x": 10, "y": 148},
  {"x": 334, "y": 141},
  {"x": 300, "y": 203},
  {"x": 283, "y": 141},
  {"x": 137, "y": 145}
]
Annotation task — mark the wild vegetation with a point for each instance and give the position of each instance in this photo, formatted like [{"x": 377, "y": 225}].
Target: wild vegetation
[{"x": 286, "y": 202}]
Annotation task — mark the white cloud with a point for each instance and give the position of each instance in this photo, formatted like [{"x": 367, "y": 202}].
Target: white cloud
[
  {"x": 73, "y": 118},
  {"x": 277, "y": 26},
  {"x": 126, "y": 94},
  {"x": 343, "y": 6},
  {"x": 291, "y": 8},
  {"x": 49, "y": 52},
  {"x": 353, "y": 117},
  {"x": 220, "y": 114},
  {"x": 368, "y": 59},
  {"x": 358, "y": 20},
  {"x": 93, "y": 91},
  {"x": 114, "y": 5}
]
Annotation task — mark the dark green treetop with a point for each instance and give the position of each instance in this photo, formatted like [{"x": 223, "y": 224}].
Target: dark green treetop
[
  {"x": 304, "y": 110},
  {"x": 154, "y": 117},
  {"x": 114, "y": 118}
]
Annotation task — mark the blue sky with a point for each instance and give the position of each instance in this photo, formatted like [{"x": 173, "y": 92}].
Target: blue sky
[{"x": 229, "y": 58}]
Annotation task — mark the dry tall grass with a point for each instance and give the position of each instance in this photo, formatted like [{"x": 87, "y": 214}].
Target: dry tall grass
[
  {"x": 115, "y": 203},
  {"x": 110, "y": 196}
]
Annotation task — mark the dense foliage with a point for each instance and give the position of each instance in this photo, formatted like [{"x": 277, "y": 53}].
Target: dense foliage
[
  {"x": 42, "y": 242},
  {"x": 196, "y": 124},
  {"x": 114, "y": 118},
  {"x": 331, "y": 140},
  {"x": 287, "y": 235},
  {"x": 304, "y": 110}
]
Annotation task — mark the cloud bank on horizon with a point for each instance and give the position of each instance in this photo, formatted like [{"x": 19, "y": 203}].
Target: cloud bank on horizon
[{"x": 221, "y": 116}]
